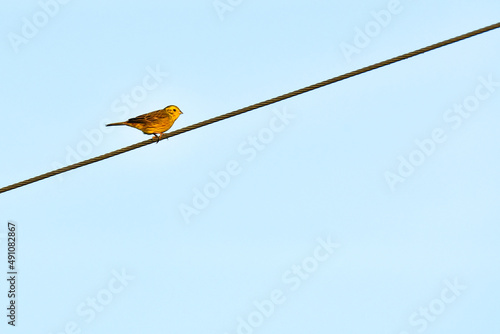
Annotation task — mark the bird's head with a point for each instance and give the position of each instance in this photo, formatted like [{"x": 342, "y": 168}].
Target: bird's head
[{"x": 174, "y": 111}]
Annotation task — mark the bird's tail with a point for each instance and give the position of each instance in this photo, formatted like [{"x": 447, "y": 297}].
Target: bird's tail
[{"x": 114, "y": 124}]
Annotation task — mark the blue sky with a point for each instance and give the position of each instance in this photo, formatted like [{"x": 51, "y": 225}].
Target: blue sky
[{"x": 367, "y": 206}]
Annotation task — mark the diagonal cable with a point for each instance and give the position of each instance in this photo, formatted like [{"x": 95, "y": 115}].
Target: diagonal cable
[{"x": 254, "y": 106}]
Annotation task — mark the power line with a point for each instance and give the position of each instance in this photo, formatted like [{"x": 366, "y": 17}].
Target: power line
[{"x": 254, "y": 106}]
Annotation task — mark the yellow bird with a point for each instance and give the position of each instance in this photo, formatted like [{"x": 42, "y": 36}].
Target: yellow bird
[{"x": 155, "y": 122}]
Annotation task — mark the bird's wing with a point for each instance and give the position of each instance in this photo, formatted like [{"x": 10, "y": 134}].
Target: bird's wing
[{"x": 146, "y": 118}]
